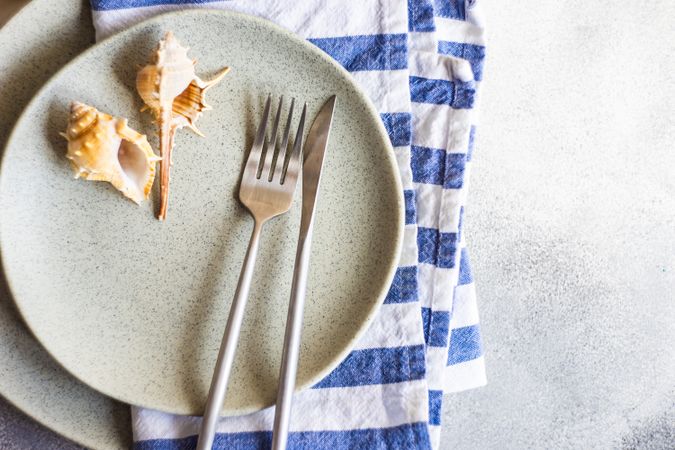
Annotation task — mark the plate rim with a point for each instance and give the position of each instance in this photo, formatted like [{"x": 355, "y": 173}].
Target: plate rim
[
  {"x": 54, "y": 424},
  {"x": 390, "y": 161}
]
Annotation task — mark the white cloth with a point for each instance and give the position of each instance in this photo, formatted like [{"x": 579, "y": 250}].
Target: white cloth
[{"x": 420, "y": 63}]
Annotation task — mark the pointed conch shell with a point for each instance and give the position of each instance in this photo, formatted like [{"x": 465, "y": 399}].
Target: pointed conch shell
[
  {"x": 167, "y": 76},
  {"x": 174, "y": 93},
  {"x": 103, "y": 148},
  {"x": 188, "y": 106}
]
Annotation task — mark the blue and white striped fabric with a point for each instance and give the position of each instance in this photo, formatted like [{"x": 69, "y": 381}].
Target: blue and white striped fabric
[{"x": 420, "y": 61}]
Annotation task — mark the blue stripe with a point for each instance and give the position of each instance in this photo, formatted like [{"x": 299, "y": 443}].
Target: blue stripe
[
  {"x": 473, "y": 53},
  {"x": 421, "y": 16},
  {"x": 368, "y": 52},
  {"x": 440, "y": 324},
  {"x": 465, "y": 345},
  {"x": 436, "y": 166},
  {"x": 472, "y": 143},
  {"x": 457, "y": 94},
  {"x": 436, "y": 248},
  {"x": 465, "y": 275},
  {"x": 435, "y": 405},
  {"x": 426, "y": 323},
  {"x": 410, "y": 210},
  {"x": 378, "y": 366},
  {"x": 435, "y": 325},
  {"x": 407, "y": 436},
  {"x": 451, "y": 9},
  {"x": 454, "y": 170},
  {"x": 404, "y": 287},
  {"x": 399, "y": 128},
  {"x": 106, "y": 5},
  {"x": 427, "y": 165}
]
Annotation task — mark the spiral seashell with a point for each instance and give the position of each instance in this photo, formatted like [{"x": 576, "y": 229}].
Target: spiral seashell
[
  {"x": 174, "y": 94},
  {"x": 104, "y": 148},
  {"x": 167, "y": 76},
  {"x": 190, "y": 104}
]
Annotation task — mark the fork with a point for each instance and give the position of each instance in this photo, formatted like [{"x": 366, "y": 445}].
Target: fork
[{"x": 268, "y": 182}]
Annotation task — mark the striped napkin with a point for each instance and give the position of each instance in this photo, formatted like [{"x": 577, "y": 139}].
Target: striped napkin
[{"x": 420, "y": 61}]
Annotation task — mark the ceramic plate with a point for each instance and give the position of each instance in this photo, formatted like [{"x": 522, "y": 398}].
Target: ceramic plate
[
  {"x": 44, "y": 36},
  {"x": 135, "y": 307}
]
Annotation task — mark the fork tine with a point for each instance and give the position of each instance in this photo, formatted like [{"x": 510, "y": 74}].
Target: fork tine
[
  {"x": 276, "y": 167},
  {"x": 260, "y": 133},
  {"x": 256, "y": 148},
  {"x": 294, "y": 162},
  {"x": 282, "y": 163},
  {"x": 270, "y": 147}
]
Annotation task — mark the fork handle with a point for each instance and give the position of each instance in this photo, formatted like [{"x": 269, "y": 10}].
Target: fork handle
[
  {"x": 228, "y": 346},
  {"x": 291, "y": 351}
]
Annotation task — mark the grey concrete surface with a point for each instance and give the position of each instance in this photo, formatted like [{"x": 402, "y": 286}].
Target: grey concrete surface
[
  {"x": 572, "y": 230},
  {"x": 571, "y": 224}
]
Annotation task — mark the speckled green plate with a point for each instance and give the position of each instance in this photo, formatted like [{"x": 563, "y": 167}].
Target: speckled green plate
[
  {"x": 135, "y": 308},
  {"x": 43, "y": 37}
]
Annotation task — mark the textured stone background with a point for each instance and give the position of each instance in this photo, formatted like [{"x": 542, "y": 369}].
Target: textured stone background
[
  {"x": 571, "y": 221},
  {"x": 572, "y": 227}
]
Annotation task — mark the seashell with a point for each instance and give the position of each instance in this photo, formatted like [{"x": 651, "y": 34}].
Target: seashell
[
  {"x": 174, "y": 94},
  {"x": 167, "y": 76},
  {"x": 188, "y": 106},
  {"x": 104, "y": 148}
]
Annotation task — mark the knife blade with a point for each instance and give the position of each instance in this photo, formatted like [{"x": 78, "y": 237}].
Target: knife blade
[{"x": 315, "y": 150}]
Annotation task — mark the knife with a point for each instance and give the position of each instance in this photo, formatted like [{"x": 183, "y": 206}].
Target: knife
[{"x": 314, "y": 151}]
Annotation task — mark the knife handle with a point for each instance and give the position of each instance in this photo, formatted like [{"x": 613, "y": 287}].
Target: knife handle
[{"x": 291, "y": 352}]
